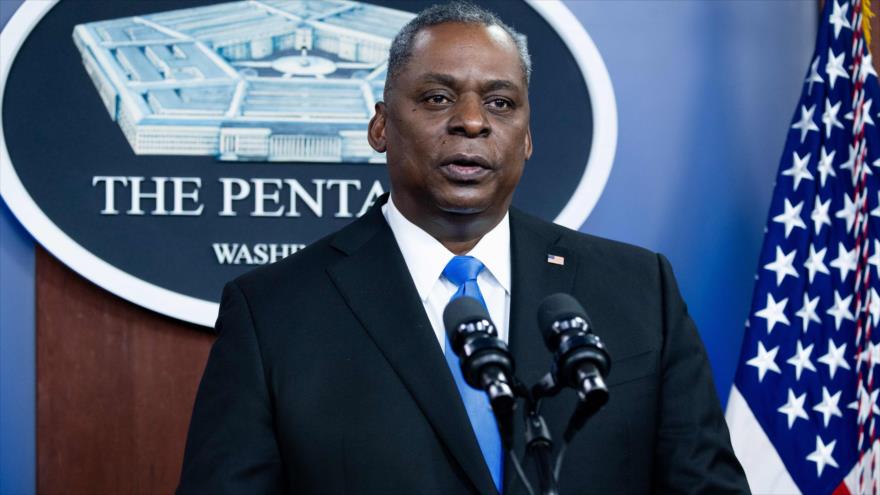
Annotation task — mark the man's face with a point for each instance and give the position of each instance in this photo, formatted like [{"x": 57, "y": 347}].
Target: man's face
[{"x": 455, "y": 125}]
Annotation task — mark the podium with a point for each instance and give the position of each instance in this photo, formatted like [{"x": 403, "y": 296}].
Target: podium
[{"x": 115, "y": 387}]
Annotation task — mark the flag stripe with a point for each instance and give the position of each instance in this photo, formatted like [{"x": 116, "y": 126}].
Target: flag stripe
[{"x": 764, "y": 469}]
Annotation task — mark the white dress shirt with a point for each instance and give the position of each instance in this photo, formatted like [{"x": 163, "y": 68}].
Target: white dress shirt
[{"x": 426, "y": 258}]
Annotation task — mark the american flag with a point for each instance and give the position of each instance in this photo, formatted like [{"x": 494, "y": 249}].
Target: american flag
[
  {"x": 804, "y": 406},
  {"x": 555, "y": 259}
]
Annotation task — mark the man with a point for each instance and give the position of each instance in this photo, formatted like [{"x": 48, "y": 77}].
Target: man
[{"x": 331, "y": 371}]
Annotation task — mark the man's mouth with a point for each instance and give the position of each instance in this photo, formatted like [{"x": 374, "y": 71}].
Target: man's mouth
[{"x": 465, "y": 168}]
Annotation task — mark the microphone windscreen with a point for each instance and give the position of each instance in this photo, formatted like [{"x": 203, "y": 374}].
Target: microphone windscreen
[
  {"x": 460, "y": 310},
  {"x": 557, "y": 307}
]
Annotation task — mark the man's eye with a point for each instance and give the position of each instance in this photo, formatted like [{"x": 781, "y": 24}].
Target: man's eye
[
  {"x": 500, "y": 104},
  {"x": 437, "y": 99}
]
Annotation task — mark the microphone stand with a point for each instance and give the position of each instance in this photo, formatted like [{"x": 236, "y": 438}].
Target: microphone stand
[
  {"x": 540, "y": 445},
  {"x": 539, "y": 442}
]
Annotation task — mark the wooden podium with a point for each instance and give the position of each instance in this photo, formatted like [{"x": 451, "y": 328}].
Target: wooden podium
[{"x": 115, "y": 388}]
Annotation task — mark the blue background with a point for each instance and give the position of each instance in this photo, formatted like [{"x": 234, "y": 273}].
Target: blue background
[{"x": 705, "y": 94}]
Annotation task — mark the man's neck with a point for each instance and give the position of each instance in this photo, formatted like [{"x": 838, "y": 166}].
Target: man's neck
[{"x": 458, "y": 232}]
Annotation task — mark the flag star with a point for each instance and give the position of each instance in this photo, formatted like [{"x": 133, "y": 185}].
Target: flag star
[
  {"x": 801, "y": 360},
  {"x": 875, "y": 258},
  {"x": 870, "y": 354},
  {"x": 865, "y": 114},
  {"x": 798, "y": 170},
  {"x": 820, "y": 214},
  {"x": 849, "y": 164},
  {"x": 838, "y": 18},
  {"x": 834, "y": 358},
  {"x": 765, "y": 360},
  {"x": 828, "y": 407},
  {"x": 876, "y": 211},
  {"x": 866, "y": 108},
  {"x": 807, "y": 313},
  {"x": 806, "y": 123},
  {"x": 829, "y": 118},
  {"x": 822, "y": 455},
  {"x": 840, "y": 311},
  {"x": 783, "y": 265},
  {"x": 845, "y": 262},
  {"x": 848, "y": 212},
  {"x": 791, "y": 217},
  {"x": 774, "y": 313},
  {"x": 834, "y": 68},
  {"x": 825, "y": 167},
  {"x": 867, "y": 67},
  {"x": 794, "y": 408},
  {"x": 816, "y": 263},
  {"x": 865, "y": 403},
  {"x": 814, "y": 76},
  {"x": 874, "y": 355},
  {"x": 874, "y": 306}
]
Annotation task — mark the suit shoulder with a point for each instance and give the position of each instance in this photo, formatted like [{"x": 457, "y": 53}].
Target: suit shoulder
[
  {"x": 299, "y": 266},
  {"x": 588, "y": 244},
  {"x": 307, "y": 268},
  {"x": 609, "y": 246}
]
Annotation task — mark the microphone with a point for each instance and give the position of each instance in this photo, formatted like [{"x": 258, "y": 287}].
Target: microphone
[
  {"x": 486, "y": 362},
  {"x": 580, "y": 359}
]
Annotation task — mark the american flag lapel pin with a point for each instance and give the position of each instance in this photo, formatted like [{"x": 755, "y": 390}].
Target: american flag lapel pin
[{"x": 555, "y": 259}]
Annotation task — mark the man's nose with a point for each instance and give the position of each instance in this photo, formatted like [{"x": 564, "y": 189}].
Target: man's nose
[{"x": 470, "y": 119}]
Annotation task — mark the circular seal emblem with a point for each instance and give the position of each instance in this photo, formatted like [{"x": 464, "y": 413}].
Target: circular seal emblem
[{"x": 161, "y": 152}]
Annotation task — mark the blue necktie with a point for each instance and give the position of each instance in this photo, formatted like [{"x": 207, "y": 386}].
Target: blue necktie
[{"x": 463, "y": 271}]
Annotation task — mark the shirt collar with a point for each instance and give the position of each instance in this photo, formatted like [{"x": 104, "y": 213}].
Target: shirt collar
[{"x": 426, "y": 257}]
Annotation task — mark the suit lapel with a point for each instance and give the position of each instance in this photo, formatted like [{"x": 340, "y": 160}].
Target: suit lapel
[
  {"x": 376, "y": 284},
  {"x": 533, "y": 279}
]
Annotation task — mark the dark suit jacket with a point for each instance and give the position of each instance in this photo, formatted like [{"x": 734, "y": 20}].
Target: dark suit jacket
[{"x": 326, "y": 376}]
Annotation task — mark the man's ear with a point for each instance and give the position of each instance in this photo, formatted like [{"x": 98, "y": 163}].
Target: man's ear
[
  {"x": 376, "y": 130},
  {"x": 528, "y": 143}
]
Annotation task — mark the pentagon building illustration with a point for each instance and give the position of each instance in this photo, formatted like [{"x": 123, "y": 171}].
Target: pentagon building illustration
[{"x": 266, "y": 80}]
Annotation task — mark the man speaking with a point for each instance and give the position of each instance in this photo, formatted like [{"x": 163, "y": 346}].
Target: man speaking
[{"x": 332, "y": 372}]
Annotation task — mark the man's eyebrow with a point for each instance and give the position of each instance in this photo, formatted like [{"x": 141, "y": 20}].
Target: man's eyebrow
[
  {"x": 447, "y": 80},
  {"x": 497, "y": 84},
  {"x": 435, "y": 77},
  {"x": 485, "y": 87}
]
